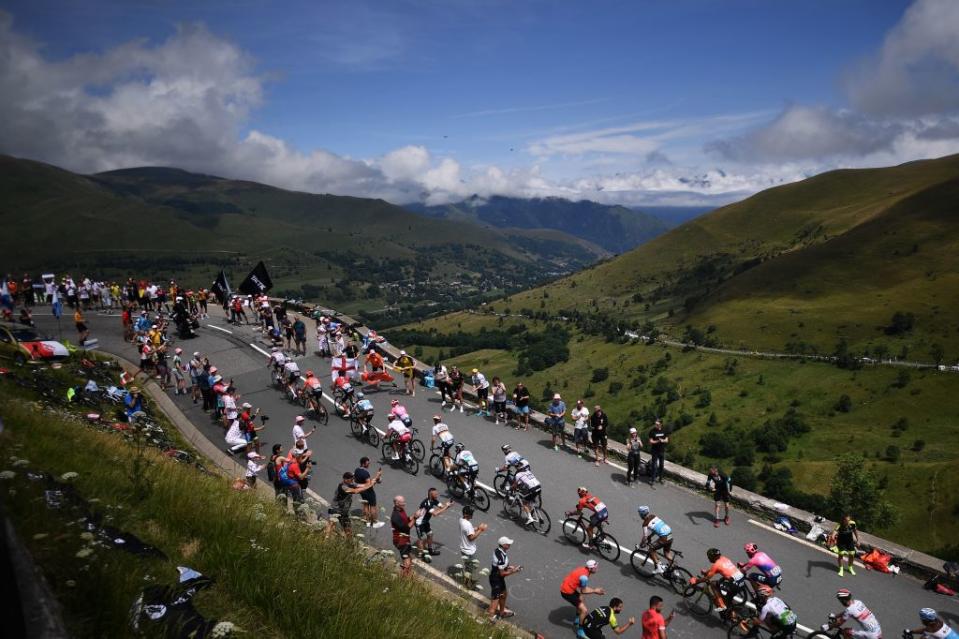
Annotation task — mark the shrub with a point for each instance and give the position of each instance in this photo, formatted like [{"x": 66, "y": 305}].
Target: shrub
[
  {"x": 903, "y": 377},
  {"x": 615, "y": 387},
  {"x": 900, "y": 323},
  {"x": 744, "y": 478},
  {"x": 844, "y": 404},
  {"x": 893, "y": 453},
  {"x": 718, "y": 445},
  {"x": 918, "y": 445},
  {"x": 600, "y": 375}
]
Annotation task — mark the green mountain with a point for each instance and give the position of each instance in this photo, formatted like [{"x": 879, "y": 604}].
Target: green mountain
[
  {"x": 359, "y": 253},
  {"x": 615, "y": 228}
]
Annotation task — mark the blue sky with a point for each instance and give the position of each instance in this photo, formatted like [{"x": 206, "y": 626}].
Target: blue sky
[{"x": 686, "y": 101}]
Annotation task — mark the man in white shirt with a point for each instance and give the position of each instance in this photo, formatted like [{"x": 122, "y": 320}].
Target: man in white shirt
[
  {"x": 580, "y": 417},
  {"x": 469, "y": 533},
  {"x": 299, "y": 433}
]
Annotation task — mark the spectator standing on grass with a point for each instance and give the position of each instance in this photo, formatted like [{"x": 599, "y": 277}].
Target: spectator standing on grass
[
  {"x": 633, "y": 445},
  {"x": 654, "y": 625},
  {"x": 253, "y": 466},
  {"x": 599, "y": 425},
  {"x": 521, "y": 399},
  {"x": 580, "y": 417},
  {"x": 657, "y": 451},
  {"x": 555, "y": 420},
  {"x": 370, "y": 511},
  {"x": 401, "y": 523}
]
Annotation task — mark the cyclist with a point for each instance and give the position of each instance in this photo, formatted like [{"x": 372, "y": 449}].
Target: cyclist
[
  {"x": 291, "y": 372},
  {"x": 527, "y": 488},
  {"x": 400, "y": 435},
  {"x": 932, "y": 627},
  {"x": 600, "y": 512},
  {"x": 400, "y": 412},
  {"x": 464, "y": 464},
  {"x": 769, "y": 571},
  {"x": 729, "y": 575},
  {"x": 774, "y": 613},
  {"x": 313, "y": 388},
  {"x": 512, "y": 460},
  {"x": 277, "y": 359},
  {"x": 575, "y": 585},
  {"x": 364, "y": 409},
  {"x": 442, "y": 433},
  {"x": 342, "y": 393},
  {"x": 855, "y": 609},
  {"x": 592, "y": 627},
  {"x": 657, "y": 535}
]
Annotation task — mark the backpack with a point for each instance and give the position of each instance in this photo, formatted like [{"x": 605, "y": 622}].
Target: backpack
[{"x": 271, "y": 471}]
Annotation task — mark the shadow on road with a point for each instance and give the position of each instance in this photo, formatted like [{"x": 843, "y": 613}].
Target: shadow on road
[
  {"x": 828, "y": 566},
  {"x": 696, "y": 515}
]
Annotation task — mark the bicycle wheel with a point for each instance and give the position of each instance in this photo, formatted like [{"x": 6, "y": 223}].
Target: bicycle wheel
[
  {"x": 356, "y": 427},
  {"x": 573, "y": 531},
  {"x": 500, "y": 484},
  {"x": 607, "y": 546},
  {"x": 454, "y": 487},
  {"x": 481, "y": 498},
  {"x": 512, "y": 507},
  {"x": 641, "y": 563},
  {"x": 322, "y": 415},
  {"x": 697, "y": 599},
  {"x": 436, "y": 465},
  {"x": 411, "y": 465},
  {"x": 387, "y": 450},
  {"x": 372, "y": 437},
  {"x": 679, "y": 579},
  {"x": 542, "y": 521},
  {"x": 417, "y": 450}
]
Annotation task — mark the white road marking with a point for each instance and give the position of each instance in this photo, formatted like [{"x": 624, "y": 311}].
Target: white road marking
[
  {"x": 254, "y": 347},
  {"x": 800, "y": 540},
  {"x": 217, "y": 328}
]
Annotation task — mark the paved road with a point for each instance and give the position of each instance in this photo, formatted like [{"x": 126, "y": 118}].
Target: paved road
[{"x": 810, "y": 576}]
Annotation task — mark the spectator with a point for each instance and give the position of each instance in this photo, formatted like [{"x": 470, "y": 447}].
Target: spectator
[
  {"x": 82, "y": 331},
  {"x": 555, "y": 420},
  {"x": 400, "y": 523},
  {"x": 343, "y": 497},
  {"x": 370, "y": 511},
  {"x": 604, "y": 616},
  {"x": 633, "y": 445},
  {"x": 272, "y": 469},
  {"x": 429, "y": 508},
  {"x": 521, "y": 399},
  {"x": 499, "y": 571},
  {"x": 720, "y": 485},
  {"x": 132, "y": 403},
  {"x": 482, "y": 392},
  {"x": 406, "y": 365},
  {"x": 599, "y": 424},
  {"x": 846, "y": 540},
  {"x": 288, "y": 479},
  {"x": 498, "y": 390},
  {"x": 456, "y": 388},
  {"x": 654, "y": 625},
  {"x": 469, "y": 533},
  {"x": 299, "y": 335},
  {"x": 657, "y": 451},
  {"x": 580, "y": 416},
  {"x": 253, "y": 467},
  {"x": 441, "y": 378}
]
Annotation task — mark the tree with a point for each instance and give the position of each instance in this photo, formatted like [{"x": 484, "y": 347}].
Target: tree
[
  {"x": 902, "y": 379},
  {"x": 744, "y": 478},
  {"x": 938, "y": 353},
  {"x": 900, "y": 323},
  {"x": 855, "y": 491},
  {"x": 844, "y": 405}
]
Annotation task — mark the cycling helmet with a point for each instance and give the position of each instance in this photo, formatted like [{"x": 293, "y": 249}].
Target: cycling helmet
[
  {"x": 275, "y": 349},
  {"x": 309, "y": 373},
  {"x": 763, "y": 591},
  {"x": 437, "y": 418},
  {"x": 581, "y": 490},
  {"x": 459, "y": 446},
  {"x": 928, "y": 614},
  {"x": 360, "y": 395},
  {"x": 751, "y": 549},
  {"x": 505, "y": 448},
  {"x": 713, "y": 554},
  {"x": 842, "y": 593},
  {"x": 394, "y": 402},
  {"x": 523, "y": 465},
  {"x": 643, "y": 511}
]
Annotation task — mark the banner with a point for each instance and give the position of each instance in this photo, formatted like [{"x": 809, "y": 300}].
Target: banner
[
  {"x": 257, "y": 282},
  {"x": 221, "y": 287}
]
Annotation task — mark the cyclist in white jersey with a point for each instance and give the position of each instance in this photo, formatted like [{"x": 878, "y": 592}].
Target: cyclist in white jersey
[
  {"x": 441, "y": 433},
  {"x": 853, "y": 609},
  {"x": 511, "y": 460},
  {"x": 528, "y": 488},
  {"x": 657, "y": 535}
]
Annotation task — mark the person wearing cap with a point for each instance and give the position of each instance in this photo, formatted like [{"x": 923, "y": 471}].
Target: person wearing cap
[
  {"x": 657, "y": 451},
  {"x": 576, "y": 584},
  {"x": 774, "y": 614},
  {"x": 521, "y": 400},
  {"x": 599, "y": 427},
  {"x": 253, "y": 466},
  {"x": 633, "y": 445},
  {"x": 132, "y": 403},
  {"x": 401, "y": 524},
  {"x": 500, "y": 569},
  {"x": 933, "y": 627},
  {"x": 179, "y": 372},
  {"x": 482, "y": 392},
  {"x": 405, "y": 364},
  {"x": 555, "y": 421},
  {"x": 343, "y": 497},
  {"x": 248, "y": 425},
  {"x": 580, "y": 417},
  {"x": 298, "y": 431},
  {"x": 195, "y": 368}
]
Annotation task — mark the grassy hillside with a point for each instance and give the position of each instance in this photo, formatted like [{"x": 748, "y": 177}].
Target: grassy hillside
[
  {"x": 829, "y": 258},
  {"x": 738, "y": 399},
  {"x": 273, "y": 576},
  {"x": 615, "y": 228},
  {"x": 344, "y": 249}
]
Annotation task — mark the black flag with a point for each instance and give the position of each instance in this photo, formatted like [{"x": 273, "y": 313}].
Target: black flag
[
  {"x": 257, "y": 282},
  {"x": 221, "y": 287}
]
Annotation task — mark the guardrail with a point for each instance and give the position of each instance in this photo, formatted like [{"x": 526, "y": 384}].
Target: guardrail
[{"x": 909, "y": 560}]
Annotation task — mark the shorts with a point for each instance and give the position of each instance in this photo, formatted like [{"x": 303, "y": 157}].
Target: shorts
[
  {"x": 573, "y": 598},
  {"x": 846, "y": 545},
  {"x": 763, "y": 578},
  {"x": 594, "y": 633},
  {"x": 497, "y": 585},
  {"x": 597, "y": 518},
  {"x": 599, "y": 439},
  {"x": 405, "y": 438},
  {"x": 368, "y": 497},
  {"x": 580, "y": 436},
  {"x": 721, "y": 495},
  {"x": 531, "y": 495},
  {"x": 445, "y": 446},
  {"x": 81, "y": 327},
  {"x": 499, "y": 407},
  {"x": 784, "y": 631},
  {"x": 344, "y": 517},
  {"x": 662, "y": 543},
  {"x": 424, "y": 529},
  {"x": 405, "y": 549},
  {"x": 555, "y": 424},
  {"x": 522, "y": 410}
]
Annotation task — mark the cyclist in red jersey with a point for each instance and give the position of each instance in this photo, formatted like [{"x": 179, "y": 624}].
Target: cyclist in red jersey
[
  {"x": 600, "y": 512},
  {"x": 728, "y": 572}
]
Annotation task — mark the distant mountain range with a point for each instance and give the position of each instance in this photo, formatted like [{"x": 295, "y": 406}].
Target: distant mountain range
[{"x": 615, "y": 228}]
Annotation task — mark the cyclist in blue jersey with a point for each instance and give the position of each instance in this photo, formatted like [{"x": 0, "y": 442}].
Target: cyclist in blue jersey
[
  {"x": 933, "y": 627},
  {"x": 657, "y": 535}
]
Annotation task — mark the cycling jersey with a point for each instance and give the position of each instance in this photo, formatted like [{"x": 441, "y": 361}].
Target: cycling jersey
[
  {"x": 725, "y": 567},
  {"x": 764, "y": 562},
  {"x": 514, "y": 459},
  {"x": 658, "y": 527},
  {"x": 364, "y": 405},
  {"x": 292, "y": 368},
  {"x": 442, "y": 431},
  {"x": 777, "y": 610},
  {"x": 867, "y": 621},
  {"x": 527, "y": 480},
  {"x": 599, "y": 618},
  {"x": 593, "y": 503},
  {"x": 313, "y": 382},
  {"x": 399, "y": 410},
  {"x": 396, "y": 426},
  {"x": 278, "y": 359},
  {"x": 945, "y": 632},
  {"x": 465, "y": 459}
]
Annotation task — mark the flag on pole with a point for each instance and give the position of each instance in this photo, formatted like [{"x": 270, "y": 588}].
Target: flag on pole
[
  {"x": 221, "y": 286},
  {"x": 125, "y": 378},
  {"x": 55, "y": 305},
  {"x": 257, "y": 282}
]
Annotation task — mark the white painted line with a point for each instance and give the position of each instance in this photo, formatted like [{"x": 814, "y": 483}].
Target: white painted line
[
  {"x": 800, "y": 540},
  {"x": 219, "y": 329},
  {"x": 257, "y": 348}
]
